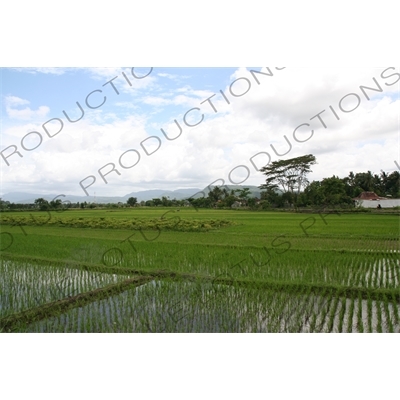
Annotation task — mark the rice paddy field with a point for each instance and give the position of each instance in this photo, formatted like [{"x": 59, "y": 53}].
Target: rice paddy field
[{"x": 168, "y": 270}]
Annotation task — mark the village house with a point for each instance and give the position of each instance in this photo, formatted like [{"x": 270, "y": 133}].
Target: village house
[{"x": 372, "y": 200}]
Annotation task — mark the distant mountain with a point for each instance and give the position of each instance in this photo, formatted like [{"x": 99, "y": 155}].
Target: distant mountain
[
  {"x": 28, "y": 198},
  {"x": 144, "y": 195}
]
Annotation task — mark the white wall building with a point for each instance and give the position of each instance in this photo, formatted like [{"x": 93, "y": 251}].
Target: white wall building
[
  {"x": 385, "y": 203},
  {"x": 372, "y": 200}
]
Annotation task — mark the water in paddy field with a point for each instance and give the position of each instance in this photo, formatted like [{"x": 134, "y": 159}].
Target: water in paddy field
[
  {"x": 354, "y": 315},
  {"x": 26, "y": 285},
  {"x": 197, "y": 307},
  {"x": 191, "y": 307},
  {"x": 384, "y": 273}
]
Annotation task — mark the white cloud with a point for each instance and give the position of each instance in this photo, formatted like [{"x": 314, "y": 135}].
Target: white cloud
[
  {"x": 183, "y": 96},
  {"x": 43, "y": 70},
  {"x": 27, "y": 113},
  {"x": 137, "y": 78},
  {"x": 156, "y": 101},
  {"x": 23, "y": 113},
  {"x": 12, "y": 101},
  {"x": 364, "y": 139},
  {"x": 173, "y": 77}
]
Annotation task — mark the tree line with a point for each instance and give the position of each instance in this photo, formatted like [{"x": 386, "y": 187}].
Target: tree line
[
  {"x": 286, "y": 185},
  {"x": 42, "y": 204}
]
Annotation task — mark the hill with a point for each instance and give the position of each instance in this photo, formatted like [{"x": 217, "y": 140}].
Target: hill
[{"x": 144, "y": 195}]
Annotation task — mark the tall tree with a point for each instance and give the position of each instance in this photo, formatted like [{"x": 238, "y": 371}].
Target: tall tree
[
  {"x": 217, "y": 194},
  {"x": 157, "y": 202},
  {"x": 365, "y": 181},
  {"x": 290, "y": 176},
  {"x": 244, "y": 194},
  {"x": 333, "y": 191},
  {"x": 392, "y": 184},
  {"x": 42, "y": 204},
  {"x": 132, "y": 201}
]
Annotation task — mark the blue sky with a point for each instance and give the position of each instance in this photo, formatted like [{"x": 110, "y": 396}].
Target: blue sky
[
  {"x": 60, "y": 88},
  {"x": 259, "y": 110}
]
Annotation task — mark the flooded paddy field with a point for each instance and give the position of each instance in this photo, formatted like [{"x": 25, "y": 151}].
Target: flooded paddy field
[
  {"x": 162, "y": 306},
  {"x": 258, "y": 273},
  {"x": 25, "y": 285}
]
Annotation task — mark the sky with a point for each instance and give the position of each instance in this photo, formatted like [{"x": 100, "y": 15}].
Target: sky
[{"x": 171, "y": 128}]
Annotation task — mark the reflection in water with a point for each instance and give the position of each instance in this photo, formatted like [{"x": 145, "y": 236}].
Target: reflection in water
[
  {"x": 191, "y": 307},
  {"x": 26, "y": 285}
]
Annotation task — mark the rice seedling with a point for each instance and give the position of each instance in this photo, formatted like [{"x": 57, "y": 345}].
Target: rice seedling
[
  {"x": 379, "y": 326},
  {"x": 332, "y": 314},
  {"x": 341, "y": 315},
  {"x": 369, "y": 306},
  {"x": 388, "y": 316},
  {"x": 340, "y": 272},
  {"x": 350, "y": 316},
  {"x": 27, "y": 285},
  {"x": 360, "y": 322},
  {"x": 179, "y": 306}
]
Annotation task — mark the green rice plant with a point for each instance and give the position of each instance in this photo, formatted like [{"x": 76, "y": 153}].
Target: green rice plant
[
  {"x": 360, "y": 322},
  {"x": 369, "y": 314},
  {"x": 168, "y": 307},
  {"x": 323, "y": 310},
  {"x": 370, "y": 276},
  {"x": 317, "y": 305},
  {"x": 306, "y": 313},
  {"x": 381, "y": 274},
  {"x": 182, "y": 306},
  {"x": 325, "y": 307},
  {"x": 395, "y": 304},
  {"x": 333, "y": 314},
  {"x": 379, "y": 327},
  {"x": 388, "y": 316},
  {"x": 313, "y": 322},
  {"x": 342, "y": 256},
  {"x": 342, "y": 315},
  {"x": 26, "y": 285},
  {"x": 350, "y": 316}
]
